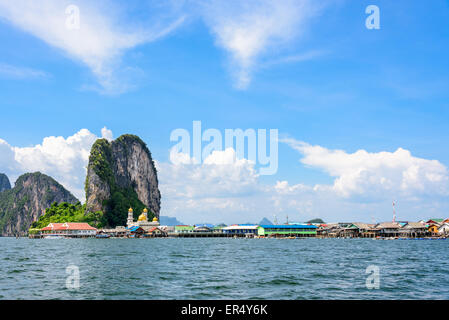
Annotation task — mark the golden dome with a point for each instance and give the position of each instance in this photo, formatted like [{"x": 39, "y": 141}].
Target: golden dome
[
  {"x": 154, "y": 219},
  {"x": 130, "y": 210},
  {"x": 142, "y": 217},
  {"x": 145, "y": 210}
]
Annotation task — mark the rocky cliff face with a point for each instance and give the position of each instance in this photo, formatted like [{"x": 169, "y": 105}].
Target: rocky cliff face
[
  {"x": 27, "y": 201},
  {"x": 121, "y": 174},
  {"x": 4, "y": 182}
]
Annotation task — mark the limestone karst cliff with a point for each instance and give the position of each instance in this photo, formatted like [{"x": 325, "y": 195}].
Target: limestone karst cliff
[
  {"x": 4, "y": 182},
  {"x": 121, "y": 174},
  {"x": 27, "y": 201}
]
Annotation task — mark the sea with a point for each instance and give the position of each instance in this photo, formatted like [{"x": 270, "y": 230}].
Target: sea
[{"x": 223, "y": 268}]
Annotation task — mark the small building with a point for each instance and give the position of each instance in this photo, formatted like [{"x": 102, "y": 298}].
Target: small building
[
  {"x": 413, "y": 230},
  {"x": 286, "y": 230},
  {"x": 388, "y": 229},
  {"x": 435, "y": 221},
  {"x": 117, "y": 232},
  {"x": 344, "y": 224},
  {"x": 243, "y": 230},
  {"x": 433, "y": 228},
  {"x": 218, "y": 229},
  {"x": 156, "y": 232},
  {"x": 136, "y": 232},
  {"x": 69, "y": 229},
  {"x": 202, "y": 229},
  {"x": 184, "y": 228},
  {"x": 167, "y": 229},
  {"x": 444, "y": 229},
  {"x": 359, "y": 230}
]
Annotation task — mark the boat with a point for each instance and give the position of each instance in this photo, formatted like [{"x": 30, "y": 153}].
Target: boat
[{"x": 102, "y": 236}]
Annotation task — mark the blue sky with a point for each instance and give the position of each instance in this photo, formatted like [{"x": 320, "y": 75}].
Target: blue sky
[{"x": 316, "y": 74}]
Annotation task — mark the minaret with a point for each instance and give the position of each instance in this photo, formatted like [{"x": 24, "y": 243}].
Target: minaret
[{"x": 130, "y": 219}]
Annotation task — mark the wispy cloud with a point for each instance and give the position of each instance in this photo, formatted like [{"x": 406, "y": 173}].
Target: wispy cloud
[
  {"x": 301, "y": 57},
  {"x": 248, "y": 29},
  {"x": 102, "y": 38},
  {"x": 16, "y": 72}
]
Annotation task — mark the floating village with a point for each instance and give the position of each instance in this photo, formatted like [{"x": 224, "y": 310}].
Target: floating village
[{"x": 143, "y": 228}]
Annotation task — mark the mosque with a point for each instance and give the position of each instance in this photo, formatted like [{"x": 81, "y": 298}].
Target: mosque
[{"x": 142, "y": 221}]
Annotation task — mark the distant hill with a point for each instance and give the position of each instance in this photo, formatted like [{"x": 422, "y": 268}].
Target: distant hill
[
  {"x": 221, "y": 225},
  {"x": 4, "y": 182},
  {"x": 265, "y": 221},
  {"x": 317, "y": 220},
  {"x": 169, "y": 221}
]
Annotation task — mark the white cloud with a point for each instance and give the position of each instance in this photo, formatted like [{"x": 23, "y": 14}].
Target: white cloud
[
  {"x": 101, "y": 40},
  {"x": 64, "y": 159},
  {"x": 107, "y": 134},
  {"x": 220, "y": 175},
  {"x": 247, "y": 29},
  {"x": 226, "y": 189},
  {"x": 306, "y": 56},
  {"x": 15, "y": 72},
  {"x": 376, "y": 174},
  {"x": 219, "y": 187}
]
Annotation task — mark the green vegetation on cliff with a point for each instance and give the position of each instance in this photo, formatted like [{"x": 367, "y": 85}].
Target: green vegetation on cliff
[
  {"x": 4, "y": 182},
  {"x": 121, "y": 199},
  {"x": 118, "y": 205},
  {"x": 67, "y": 212},
  {"x": 100, "y": 159},
  {"x": 26, "y": 202}
]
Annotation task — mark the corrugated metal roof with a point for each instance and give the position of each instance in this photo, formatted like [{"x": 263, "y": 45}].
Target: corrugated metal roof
[
  {"x": 388, "y": 225},
  {"x": 68, "y": 226},
  {"x": 240, "y": 227},
  {"x": 414, "y": 225},
  {"x": 134, "y": 228},
  {"x": 288, "y": 226}
]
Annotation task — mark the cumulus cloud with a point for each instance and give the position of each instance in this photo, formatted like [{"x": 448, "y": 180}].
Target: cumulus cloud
[
  {"x": 220, "y": 175},
  {"x": 227, "y": 189},
  {"x": 107, "y": 134},
  {"x": 64, "y": 159},
  {"x": 224, "y": 188},
  {"x": 378, "y": 173},
  {"x": 247, "y": 29},
  {"x": 219, "y": 187},
  {"x": 100, "y": 41}
]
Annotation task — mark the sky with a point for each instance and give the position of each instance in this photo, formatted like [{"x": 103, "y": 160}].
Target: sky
[{"x": 361, "y": 114}]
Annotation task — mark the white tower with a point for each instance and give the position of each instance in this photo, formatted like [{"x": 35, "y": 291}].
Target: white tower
[{"x": 130, "y": 220}]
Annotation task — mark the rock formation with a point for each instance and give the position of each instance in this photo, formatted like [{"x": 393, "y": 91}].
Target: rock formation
[
  {"x": 121, "y": 174},
  {"x": 27, "y": 201},
  {"x": 4, "y": 182}
]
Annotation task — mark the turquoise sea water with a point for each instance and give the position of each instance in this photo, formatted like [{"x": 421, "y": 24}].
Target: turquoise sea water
[{"x": 223, "y": 268}]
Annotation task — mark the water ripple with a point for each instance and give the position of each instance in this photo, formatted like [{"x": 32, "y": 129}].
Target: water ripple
[{"x": 223, "y": 269}]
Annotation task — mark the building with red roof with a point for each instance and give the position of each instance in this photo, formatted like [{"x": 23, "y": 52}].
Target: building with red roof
[{"x": 70, "y": 229}]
